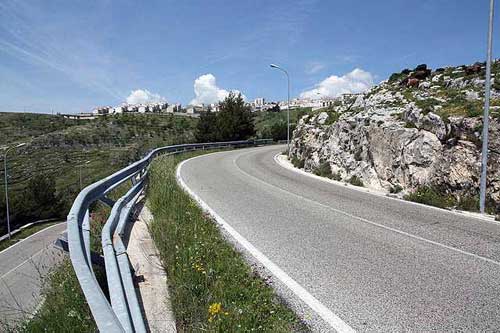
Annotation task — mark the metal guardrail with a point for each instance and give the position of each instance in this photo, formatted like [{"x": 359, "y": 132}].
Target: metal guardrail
[{"x": 122, "y": 313}]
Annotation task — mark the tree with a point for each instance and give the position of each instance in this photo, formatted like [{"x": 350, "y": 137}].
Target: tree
[
  {"x": 275, "y": 108},
  {"x": 206, "y": 129},
  {"x": 235, "y": 120}
]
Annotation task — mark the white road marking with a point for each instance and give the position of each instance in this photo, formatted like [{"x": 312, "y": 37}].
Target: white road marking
[
  {"x": 367, "y": 221},
  {"x": 287, "y": 165},
  {"x": 332, "y": 319},
  {"x": 24, "y": 262},
  {"x": 30, "y": 236}
]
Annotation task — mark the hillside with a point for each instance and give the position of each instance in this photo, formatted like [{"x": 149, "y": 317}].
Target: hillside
[
  {"x": 417, "y": 134},
  {"x": 44, "y": 174}
]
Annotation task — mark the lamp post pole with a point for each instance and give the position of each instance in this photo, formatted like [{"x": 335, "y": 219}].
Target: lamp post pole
[
  {"x": 80, "y": 168},
  {"x": 487, "y": 84},
  {"x": 288, "y": 102},
  {"x": 6, "y": 184}
]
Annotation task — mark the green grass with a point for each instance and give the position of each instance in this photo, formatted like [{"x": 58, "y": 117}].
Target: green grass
[
  {"x": 212, "y": 288},
  {"x": 64, "y": 308},
  {"x": 24, "y": 233}
]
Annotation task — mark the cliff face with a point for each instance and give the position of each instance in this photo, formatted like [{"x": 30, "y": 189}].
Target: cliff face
[{"x": 419, "y": 128}]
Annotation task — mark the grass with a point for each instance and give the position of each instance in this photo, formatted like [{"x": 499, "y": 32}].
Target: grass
[
  {"x": 24, "y": 233},
  {"x": 64, "y": 308},
  {"x": 212, "y": 287}
]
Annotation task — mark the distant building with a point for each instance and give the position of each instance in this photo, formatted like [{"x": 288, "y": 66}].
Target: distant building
[
  {"x": 79, "y": 116},
  {"x": 260, "y": 101}
]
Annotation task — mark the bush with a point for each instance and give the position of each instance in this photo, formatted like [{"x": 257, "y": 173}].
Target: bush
[
  {"x": 337, "y": 176},
  {"x": 356, "y": 181},
  {"x": 396, "y": 188},
  {"x": 323, "y": 170},
  {"x": 469, "y": 203},
  {"x": 431, "y": 196},
  {"x": 297, "y": 162}
]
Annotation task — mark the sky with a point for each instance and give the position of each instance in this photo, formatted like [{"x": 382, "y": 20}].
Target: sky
[{"x": 70, "y": 56}]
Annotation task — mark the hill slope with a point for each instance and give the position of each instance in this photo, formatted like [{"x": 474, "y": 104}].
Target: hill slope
[{"x": 44, "y": 174}]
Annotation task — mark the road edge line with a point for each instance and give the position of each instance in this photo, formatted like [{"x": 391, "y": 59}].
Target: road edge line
[
  {"x": 326, "y": 314},
  {"x": 36, "y": 233},
  {"x": 379, "y": 193}
]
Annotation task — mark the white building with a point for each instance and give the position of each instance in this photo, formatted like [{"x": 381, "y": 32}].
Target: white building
[{"x": 260, "y": 101}]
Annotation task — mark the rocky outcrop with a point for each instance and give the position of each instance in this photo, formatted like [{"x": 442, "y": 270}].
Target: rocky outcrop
[{"x": 398, "y": 137}]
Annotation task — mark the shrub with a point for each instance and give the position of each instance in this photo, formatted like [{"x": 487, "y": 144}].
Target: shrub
[
  {"x": 333, "y": 116},
  {"x": 297, "y": 162},
  {"x": 357, "y": 155},
  {"x": 356, "y": 181},
  {"x": 396, "y": 188},
  {"x": 336, "y": 176},
  {"x": 469, "y": 203},
  {"x": 324, "y": 170},
  {"x": 432, "y": 196},
  {"x": 409, "y": 124}
]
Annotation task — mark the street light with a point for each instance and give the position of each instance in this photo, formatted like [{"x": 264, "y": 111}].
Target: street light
[
  {"x": 487, "y": 84},
  {"x": 80, "y": 168},
  {"x": 6, "y": 183},
  {"x": 288, "y": 110}
]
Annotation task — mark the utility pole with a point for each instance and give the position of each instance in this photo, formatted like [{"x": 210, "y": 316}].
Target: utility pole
[
  {"x": 487, "y": 86},
  {"x": 80, "y": 169},
  {"x": 6, "y": 179}
]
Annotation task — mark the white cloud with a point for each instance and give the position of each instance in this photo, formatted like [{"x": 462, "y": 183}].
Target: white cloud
[
  {"x": 354, "y": 82},
  {"x": 207, "y": 92},
  {"x": 144, "y": 96},
  {"x": 314, "y": 67}
]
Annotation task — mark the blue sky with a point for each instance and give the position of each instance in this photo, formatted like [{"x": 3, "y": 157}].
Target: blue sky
[{"x": 70, "y": 56}]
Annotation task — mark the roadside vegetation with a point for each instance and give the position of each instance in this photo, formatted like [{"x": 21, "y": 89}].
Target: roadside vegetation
[
  {"x": 212, "y": 287},
  {"x": 64, "y": 306},
  {"x": 273, "y": 124}
]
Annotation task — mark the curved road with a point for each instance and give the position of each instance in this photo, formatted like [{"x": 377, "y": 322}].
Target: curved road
[
  {"x": 22, "y": 267},
  {"x": 377, "y": 264}
]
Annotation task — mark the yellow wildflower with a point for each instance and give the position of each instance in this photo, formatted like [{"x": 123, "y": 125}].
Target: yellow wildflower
[{"x": 214, "y": 308}]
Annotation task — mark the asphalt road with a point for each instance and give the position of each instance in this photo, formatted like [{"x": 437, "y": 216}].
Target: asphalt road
[
  {"x": 22, "y": 267},
  {"x": 379, "y": 264}
]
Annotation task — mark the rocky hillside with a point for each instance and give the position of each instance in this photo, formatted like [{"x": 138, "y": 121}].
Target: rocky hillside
[{"x": 419, "y": 129}]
